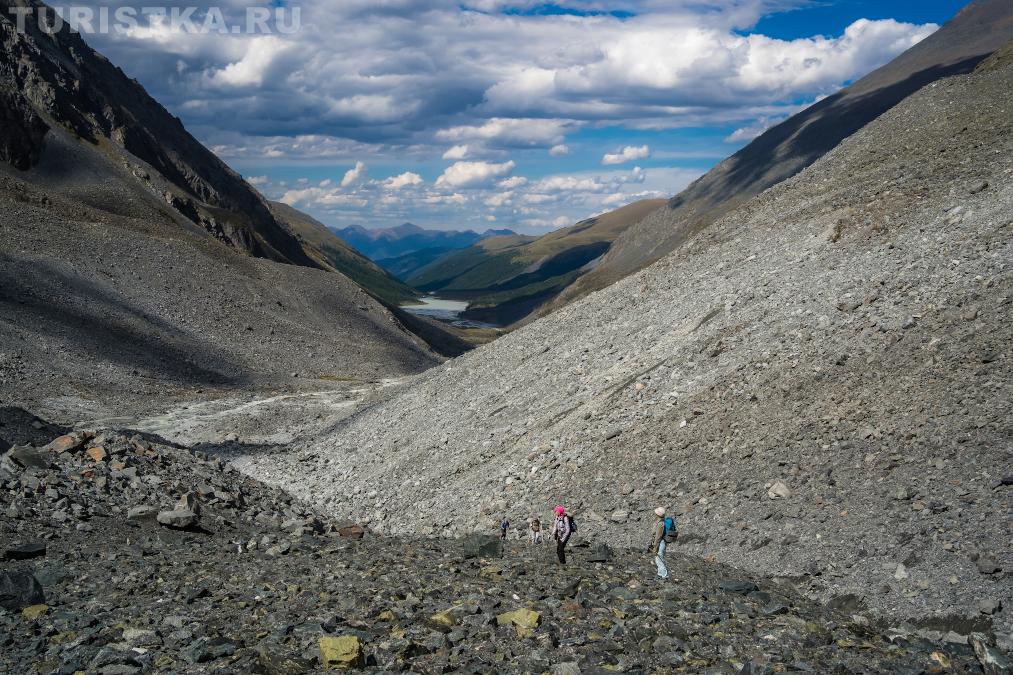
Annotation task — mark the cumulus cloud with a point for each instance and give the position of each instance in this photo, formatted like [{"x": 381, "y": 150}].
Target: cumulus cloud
[
  {"x": 589, "y": 183},
  {"x": 257, "y": 180},
  {"x": 507, "y": 132},
  {"x": 499, "y": 199},
  {"x": 317, "y": 196},
  {"x": 354, "y": 175},
  {"x": 406, "y": 179},
  {"x": 421, "y": 79},
  {"x": 512, "y": 182},
  {"x": 627, "y": 154},
  {"x": 456, "y": 152},
  {"x": 262, "y": 55},
  {"x": 470, "y": 174},
  {"x": 463, "y": 79}
]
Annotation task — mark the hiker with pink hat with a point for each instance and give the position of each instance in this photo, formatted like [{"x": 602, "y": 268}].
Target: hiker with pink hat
[{"x": 561, "y": 531}]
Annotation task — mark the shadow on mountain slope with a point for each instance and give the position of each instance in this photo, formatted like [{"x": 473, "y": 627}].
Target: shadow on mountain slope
[{"x": 93, "y": 321}]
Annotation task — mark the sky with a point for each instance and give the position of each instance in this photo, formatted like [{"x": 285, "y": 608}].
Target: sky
[{"x": 475, "y": 114}]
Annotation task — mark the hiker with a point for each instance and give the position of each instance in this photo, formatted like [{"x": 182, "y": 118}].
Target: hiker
[
  {"x": 561, "y": 532},
  {"x": 536, "y": 530},
  {"x": 503, "y": 527},
  {"x": 664, "y": 531}
]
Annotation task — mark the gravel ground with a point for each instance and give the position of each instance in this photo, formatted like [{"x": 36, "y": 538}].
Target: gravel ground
[
  {"x": 820, "y": 384},
  {"x": 122, "y": 554}
]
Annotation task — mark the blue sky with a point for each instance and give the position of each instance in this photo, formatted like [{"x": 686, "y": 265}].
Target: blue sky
[{"x": 495, "y": 113}]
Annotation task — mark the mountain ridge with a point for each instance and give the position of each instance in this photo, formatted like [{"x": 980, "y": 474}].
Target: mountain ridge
[{"x": 393, "y": 242}]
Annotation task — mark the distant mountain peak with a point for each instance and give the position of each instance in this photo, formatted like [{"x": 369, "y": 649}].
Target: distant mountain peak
[{"x": 405, "y": 229}]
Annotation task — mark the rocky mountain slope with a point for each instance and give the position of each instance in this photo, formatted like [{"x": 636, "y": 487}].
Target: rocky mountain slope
[
  {"x": 819, "y": 383},
  {"x": 122, "y": 310},
  {"x": 506, "y": 278},
  {"x": 53, "y": 83},
  {"x": 784, "y": 150},
  {"x": 124, "y": 554},
  {"x": 136, "y": 267},
  {"x": 332, "y": 252}
]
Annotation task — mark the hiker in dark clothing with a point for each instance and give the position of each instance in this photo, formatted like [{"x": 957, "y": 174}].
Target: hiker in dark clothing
[
  {"x": 503, "y": 527},
  {"x": 561, "y": 532}
]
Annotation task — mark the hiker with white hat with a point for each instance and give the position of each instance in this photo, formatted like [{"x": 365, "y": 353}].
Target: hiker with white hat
[{"x": 658, "y": 545}]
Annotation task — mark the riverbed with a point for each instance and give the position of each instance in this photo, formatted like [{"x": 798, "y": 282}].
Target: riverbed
[{"x": 445, "y": 310}]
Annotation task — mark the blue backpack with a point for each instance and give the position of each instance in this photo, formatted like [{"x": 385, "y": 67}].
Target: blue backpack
[{"x": 671, "y": 529}]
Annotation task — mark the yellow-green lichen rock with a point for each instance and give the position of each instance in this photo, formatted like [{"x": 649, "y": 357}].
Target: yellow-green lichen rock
[
  {"x": 33, "y": 612},
  {"x": 342, "y": 652},
  {"x": 445, "y": 618},
  {"x": 522, "y": 618}
]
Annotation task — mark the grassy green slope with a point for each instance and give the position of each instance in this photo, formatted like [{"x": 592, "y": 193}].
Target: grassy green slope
[
  {"x": 332, "y": 252},
  {"x": 474, "y": 268},
  {"x": 522, "y": 271}
]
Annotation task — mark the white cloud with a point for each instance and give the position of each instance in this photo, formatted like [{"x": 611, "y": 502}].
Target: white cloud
[
  {"x": 456, "y": 152},
  {"x": 499, "y": 199},
  {"x": 257, "y": 180},
  {"x": 455, "y": 198},
  {"x": 620, "y": 198},
  {"x": 262, "y": 54},
  {"x": 669, "y": 63},
  {"x": 512, "y": 182},
  {"x": 418, "y": 79},
  {"x": 588, "y": 183},
  {"x": 627, "y": 154},
  {"x": 508, "y": 132},
  {"x": 469, "y": 174},
  {"x": 406, "y": 179},
  {"x": 355, "y": 175},
  {"x": 316, "y": 196},
  {"x": 560, "y": 150}
]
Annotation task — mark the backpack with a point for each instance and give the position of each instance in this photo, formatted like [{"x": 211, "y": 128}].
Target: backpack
[
  {"x": 671, "y": 529},
  {"x": 573, "y": 523}
]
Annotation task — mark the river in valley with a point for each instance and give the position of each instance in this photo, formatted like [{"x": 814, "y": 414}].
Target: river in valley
[{"x": 445, "y": 310}]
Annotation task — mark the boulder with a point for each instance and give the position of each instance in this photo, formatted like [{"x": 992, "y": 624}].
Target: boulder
[
  {"x": 142, "y": 512},
  {"x": 33, "y": 612},
  {"x": 19, "y": 590},
  {"x": 22, "y": 457},
  {"x": 342, "y": 652},
  {"x": 987, "y": 565},
  {"x": 274, "y": 661},
  {"x": 522, "y": 618},
  {"x": 779, "y": 490},
  {"x": 179, "y": 519},
  {"x": 96, "y": 453},
  {"x": 992, "y": 661},
  {"x": 66, "y": 443},
  {"x": 482, "y": 546},
  {"x": 188, "y": 502},
  {"x": 33, "y": 549},
  {"x": 447, "y": 618},
  {"x": 739, "y": 586},
  {"x": 600, "y": 554},
  {"x": 351, "y": 531}
]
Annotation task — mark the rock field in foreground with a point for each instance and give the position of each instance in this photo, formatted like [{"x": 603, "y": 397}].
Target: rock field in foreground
[{"x": 92, "y": 582}]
